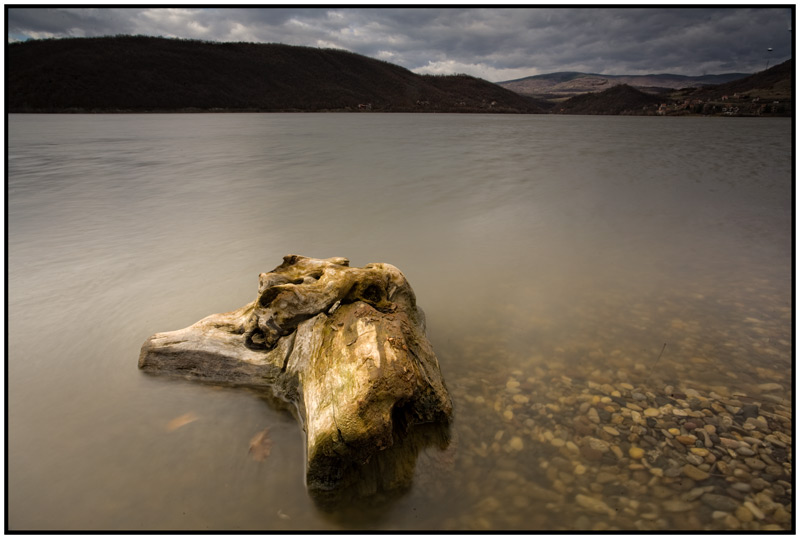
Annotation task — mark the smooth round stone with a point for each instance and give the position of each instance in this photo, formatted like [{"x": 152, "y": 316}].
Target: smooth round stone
[
  {"x": 571, "y": 446},
  {"x": 686, "y": 439},
  {"x": 516, "y": 443},
  {"x": 520, "y": 399},
  {"x": 636, "y": 452},
  {"x": 746, "y": 451},
  {"x": 741, "y": 487},
  {"x": 729, "y": 443},
  {"x": 774, "y": 470},
  {"x": 593, "y": 504},
  {"x": 694, "y": 459},
  {"x": 699, "y": 451},
  {"x": 597, "y": 444},
  {"x": 720, "y": 502},
  {"x": 758, "y": 513},
  {"x": 652, "y": 412},
  {"x": 743, "y": 514},
  {"x": 754, "y": 464},
  {"x": 759, "y": 484},
  {"x": 611, "y": 430},
  {"x": 695, "y": 473},
  {"x": 771, "y": 438},
  {"x": 782, "y": 516}
]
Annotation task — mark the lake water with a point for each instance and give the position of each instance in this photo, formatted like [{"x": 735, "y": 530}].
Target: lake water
[{"x": 572, "y": 269}]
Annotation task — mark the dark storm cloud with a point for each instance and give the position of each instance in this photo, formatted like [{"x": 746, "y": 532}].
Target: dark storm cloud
[{"x": 496, "y": 44}]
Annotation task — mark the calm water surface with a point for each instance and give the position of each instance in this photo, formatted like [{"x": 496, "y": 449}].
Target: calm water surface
[{"x": 553, "y": 256}]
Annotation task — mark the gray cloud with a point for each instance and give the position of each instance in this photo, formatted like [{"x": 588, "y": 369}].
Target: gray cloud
[{"x": 492, "y": 43}]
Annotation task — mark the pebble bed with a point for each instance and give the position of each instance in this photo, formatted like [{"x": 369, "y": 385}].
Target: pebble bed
[
  {"x": 605, "y": 442},
  {"x": 621, "y": 456}
]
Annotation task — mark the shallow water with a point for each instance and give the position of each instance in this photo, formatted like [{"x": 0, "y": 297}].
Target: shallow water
[{"x": 558, "y": 259}]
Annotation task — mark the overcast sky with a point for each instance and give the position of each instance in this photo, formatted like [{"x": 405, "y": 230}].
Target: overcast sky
[{"x": 496, "y": 44}]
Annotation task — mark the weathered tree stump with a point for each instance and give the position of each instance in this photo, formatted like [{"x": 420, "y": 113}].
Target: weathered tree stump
[{"x": 346, "y": 346}]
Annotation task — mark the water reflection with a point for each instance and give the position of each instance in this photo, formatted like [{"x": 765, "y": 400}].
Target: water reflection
[
  {"x": 363, "y": 492},
  {"x": 367, "y": 491}
]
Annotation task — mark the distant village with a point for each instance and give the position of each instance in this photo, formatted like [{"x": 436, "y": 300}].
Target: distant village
[{"x": 733, "y": 105}]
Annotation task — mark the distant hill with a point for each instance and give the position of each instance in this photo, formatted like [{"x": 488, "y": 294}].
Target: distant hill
[
  {"x": 568, "y": 83},
  {"x": 621, "y": 99},
  {"x": 773, "y": 83},
  {"x": 767, "y": 93},
  {"x": 137, "y": 73}
]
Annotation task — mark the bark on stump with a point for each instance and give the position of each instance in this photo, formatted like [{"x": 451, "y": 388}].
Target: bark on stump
[{"x": 346, "y": 346}]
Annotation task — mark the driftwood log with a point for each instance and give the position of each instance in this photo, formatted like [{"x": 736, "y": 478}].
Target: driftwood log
[{"x": 345, "y": 346}]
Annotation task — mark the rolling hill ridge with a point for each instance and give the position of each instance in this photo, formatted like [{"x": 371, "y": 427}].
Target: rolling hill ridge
[
  {"x": 138, "y": 74},
  {"x": 767, "y": 93},
  {"x": 569, "y": 83},
  {"x": 151, "y": 74}
]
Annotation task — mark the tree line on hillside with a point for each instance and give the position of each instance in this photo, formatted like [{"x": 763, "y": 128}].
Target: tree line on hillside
[{"x": 138, "y": 73}]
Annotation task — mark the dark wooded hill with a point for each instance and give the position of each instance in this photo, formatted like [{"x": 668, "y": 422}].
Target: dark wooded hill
[
  {"x": 137, "y": 74},
  {"x": 621, "y": 99},
  {"x": 774, "y": 83}
]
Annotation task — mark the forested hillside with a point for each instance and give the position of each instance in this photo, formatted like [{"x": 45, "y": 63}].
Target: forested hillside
[{"x": 137, "y": 73}]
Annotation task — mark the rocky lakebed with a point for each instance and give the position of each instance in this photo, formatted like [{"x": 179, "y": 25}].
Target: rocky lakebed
[{"x": 621, "y": 447}]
